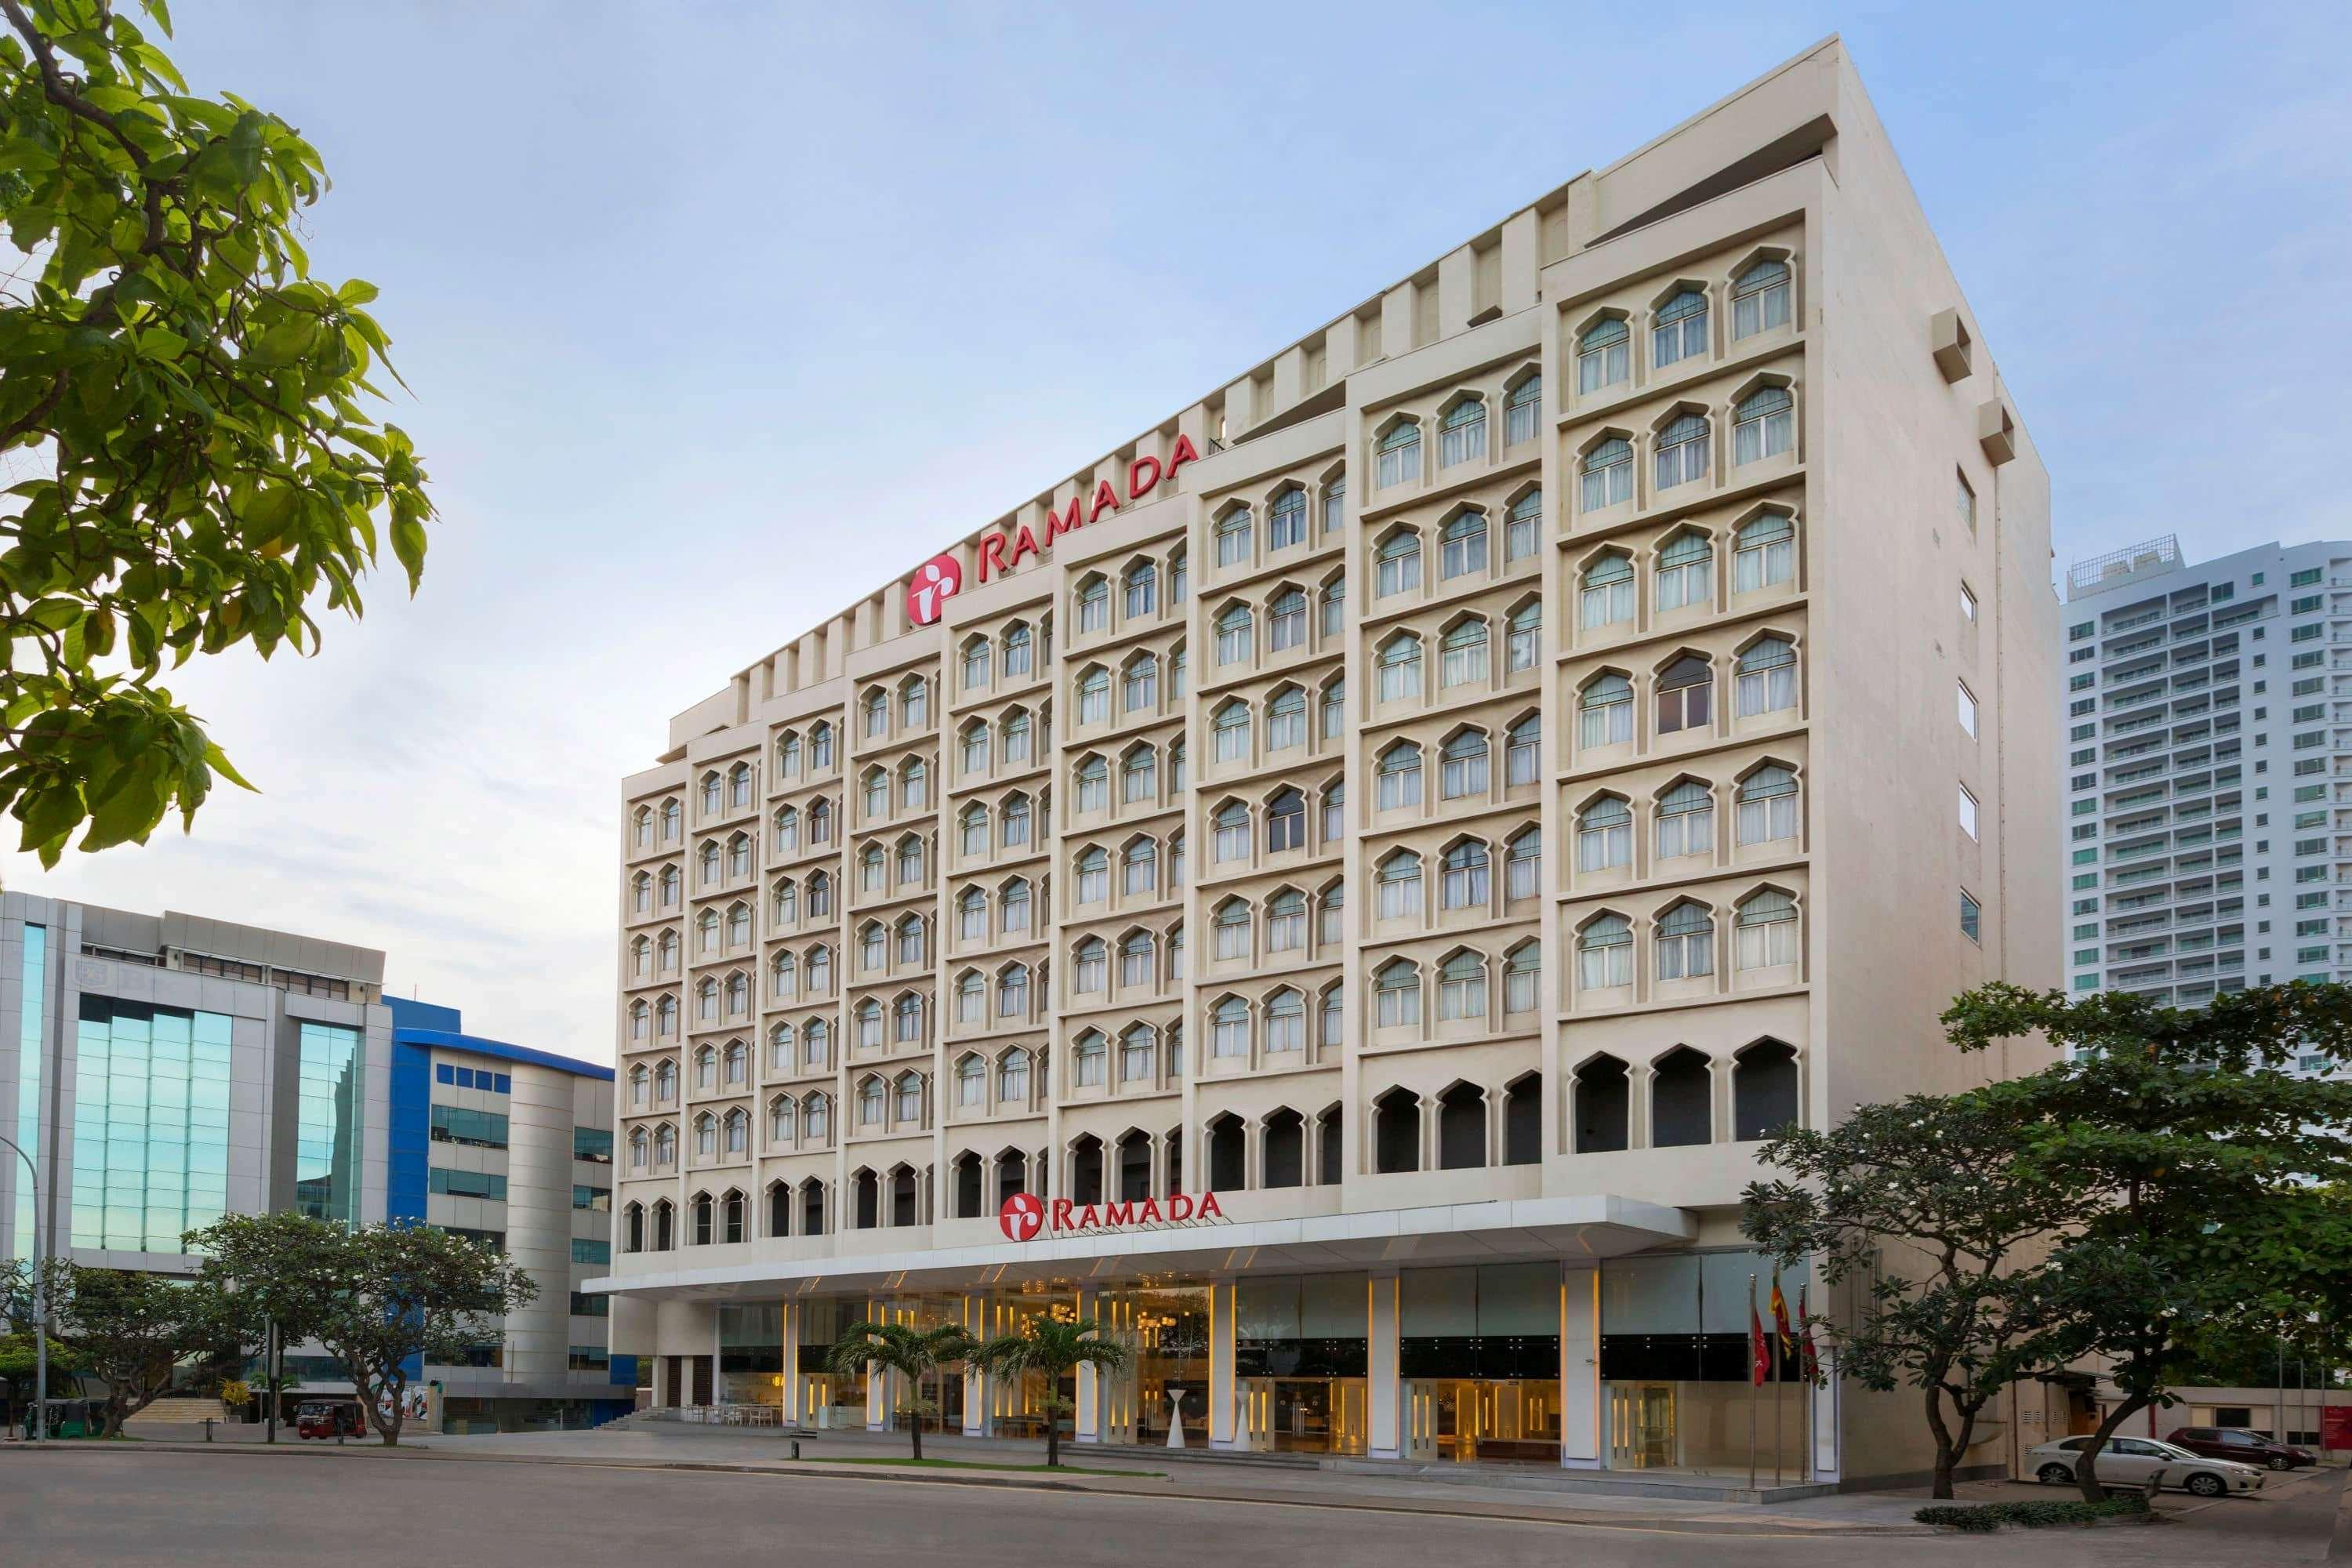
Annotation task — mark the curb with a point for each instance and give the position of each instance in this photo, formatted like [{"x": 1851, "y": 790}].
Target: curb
[{"x": 1117, "y": 1487}]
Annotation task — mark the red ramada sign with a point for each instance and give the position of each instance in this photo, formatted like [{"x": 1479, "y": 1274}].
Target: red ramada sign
[
  {"x": 938, "y": 579},
  {"x": 1025, "y": 1216}
]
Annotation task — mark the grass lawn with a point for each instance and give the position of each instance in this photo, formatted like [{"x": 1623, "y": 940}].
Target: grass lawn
[{"x": 909, "y": 1464}]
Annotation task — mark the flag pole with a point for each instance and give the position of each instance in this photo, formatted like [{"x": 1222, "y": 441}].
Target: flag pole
[
  {"x": 1776, "y": 1395},
  {"x": 1751, "y": 1383}
]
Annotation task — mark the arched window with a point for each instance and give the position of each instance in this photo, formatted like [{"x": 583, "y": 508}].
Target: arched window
[
  {"x": 1608, "y": 479},
  {"x": 737, "y": 1131},
  {"x": 668, "y": 951},
  {"x": 820, "y": 745},
  {"x": 1285, "y": 521},
  {"x": 1335, "y": 811},
  {"x": 971, "y": 1082},
  {"x": 972, "y": 999},
  {"x": 820, "y": 970},
  {"x": 1681, "y": 451},
  {"x": 1605, "y": 712},
  {"x": 1398, "y": 461},
  {"x": 1461, "y": 988},
  {"x": 1602, "y": 1106},
  {"x": 738, "y": 1062},
  {"x": 1519, "y": 759},
  {"x": 1094, "y": 604},
  {"x": 1396, "y": 992},
  {"x": 1230, "y": 731},
  {"x": 788, "y": 756},
  {"x": 1234, "y": 536},
  {"x": 1236, "y": 635},
  {"x": 871, "y": 1102},
  {"x": 1686, "y": 942},
  {"x": 1683, "y": 692},
  {"x": 1605, "y": 836},
  {"x": 1466, "y": 884},
  {"x": 1604, "y": 356},
  {"x": 911, "y": 860},
  {"x": 1016, "y": 650},
  {"x": 1139, "y": 1053},
  {"x": 1013, "y": 905},
  {"x": 738, "y": 925},
  {"x": 1767, "y": 677},
  {"x": 1681, "y": 329},
  {"x": 783, "y": 1050},
  {"x": 1090, "y": 967},
  {"x": 1686, "y": 573},
  {"x": 706, "y": 932},
  {"x": 1286, "y": 720},
  {"x": 971, "y": 829},
  {"x": 1138, "y": 867},
  {"x": 1464, "y": 772},
  {"x": 1400, "y": 776},
  {"x": 1397, "y": 565},
  {"x": 1139, "y": 684},
  {"x": 878, "y": 793},
  {"x": 1334, "y": 612},
  {"x": 1765, "y": 930},
  {"x": 1400, "y": 883},
  {"x": 907, "y": 1019},
  {"x": 1462, "y": 544},
  {"x": 1286, "y": 819},
  {"x": 816, "y": 1052},
  {"x": 1286, "y": 1021},
  {"x": 706, "y": 1136},
  {"x": 641, "y": 958},
  {"x": 912, "y": 945},
  {"x": 706, "y": 1000},
  {"x": 915, "y": 701},
  {"x": 1462, "y": 433},
  {"x": 1013, "y": 822},
  {"x": 641, "y": 827},
  {"x": 1764, "y": 425},
  {"x": 1286, "y": 921},
  {"x": 1685, "y": 821},
  {"x": 641, "y": 890},
  {"x": 1230, "y": 930},
  {"x": 1094, "y": 876},
  {"x": 714, "y": 796},
  {"x": 1089, "y": 1060},
  {"x": 876, "y": 709},
  {"x": 1400, "y": 673},
  {"x": 665, "y": 1145},
  {"x": 910, "y": 1098},
  {"x": 633, "y": 1216},
  {"x": 1522, "y": 526},
  {"x": 1176, "y": 766},
  {"x": 1522, "y": 864},
  {"x": 1519, "y": 410},
  {"x": 1092, "y": 781},
  {"x": 1681, "y": 1091},
  {"x": 666, "y": 1082},
  {"x": 1464, "y": 661},
  {"x": 1179, "y": 575},
  {"x": 978, "y": 660},
  {"x": 1765, "y": 554},
  {"x": 1016, "y": 737},
  {"x": 709, "y": 860},
  {"x": 820, "y": 814},
  {"x": 1604, "y": 952},
  {"x": 1142, "y": 586},
  {"x": 787, "y": 830},
  {"x": 1763, "y": 1089},
  {"x": 665, "y": 1014},
  {"x": 1759, "y": 299},
  {"x": 1229, "y": 1027},
  {"x": 739, "y": 786},
  {"x": 1013, "y": 1077},
  {"x": 638, "y": 1086},
  {"x": 1094, "y": 696},
  {"x": 1139, "y": 961},
  {"x": 1285, "y": 621},
  {"x": 1768, "y": 806},
  {"x": 1522, "y": 967},
  {"x": 1139, "y": 777}
]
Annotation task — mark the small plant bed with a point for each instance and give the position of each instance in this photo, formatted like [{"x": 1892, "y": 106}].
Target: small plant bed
[
  {"x": 903, "y": 1463},
  {"x": 2035, "y": 1515}
]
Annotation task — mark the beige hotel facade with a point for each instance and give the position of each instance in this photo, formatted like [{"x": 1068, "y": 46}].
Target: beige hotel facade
[{"x": 1433, "y": 804}]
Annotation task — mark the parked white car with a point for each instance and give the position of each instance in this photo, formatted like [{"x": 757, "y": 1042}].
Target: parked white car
[{"x": 2129, "y": 1461}]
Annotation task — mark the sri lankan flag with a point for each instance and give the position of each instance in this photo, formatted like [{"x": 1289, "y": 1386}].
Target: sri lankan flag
[{"x": 1781, "y": 1320}]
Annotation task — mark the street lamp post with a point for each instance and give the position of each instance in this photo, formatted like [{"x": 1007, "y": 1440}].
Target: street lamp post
[{"x": 40, "y": 1305}]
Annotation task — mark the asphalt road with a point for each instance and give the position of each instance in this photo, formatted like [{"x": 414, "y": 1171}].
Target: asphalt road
[{"x": 257, "y": 1511}]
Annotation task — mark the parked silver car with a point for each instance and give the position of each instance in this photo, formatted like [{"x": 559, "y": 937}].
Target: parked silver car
[{"x": 2129, "y": 1461}]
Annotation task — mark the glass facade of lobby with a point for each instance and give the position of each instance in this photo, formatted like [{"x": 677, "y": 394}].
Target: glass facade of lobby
[{"x": 1477, "y": 1359}]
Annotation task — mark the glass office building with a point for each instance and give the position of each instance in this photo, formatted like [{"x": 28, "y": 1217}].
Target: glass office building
[
  {"x": 150, "y": 1124},
  {"x": 327, "y": 1134}
]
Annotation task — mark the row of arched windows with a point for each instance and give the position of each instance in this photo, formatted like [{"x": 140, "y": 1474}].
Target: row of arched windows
[
  {"x": 1146, "y": 685},
  {"x": 1142, "y": 784},
  {"x": 1463, "y": 652},
  {"x": 1682, "y": 573},
  {"x": 1467, "y": 553},
  {"x": 1007, "y": 913},
  {"x": 909, "y": 703},
  {"x": 1139, "y": 966},
  {"x": 649, "y": 891},
  {"x": 1681, "y": 326},
  {"x": 1466, "y": 767},
  {"x": 809, "y": 756},
  {"x": 1764, "y": 678},
  {"x": 906, "y": 790},
  {"x": 1681, "y": 447},
  {"x": 1291, "y": 622},
  {"x": 1463, "y": 871},
  {"x": 1685, "y": 942},
  {"x": 1014, "y": 742},
  {"x": 1143, "y": 589},
  {"x": 1291, "y": 822},
  {"x": 1010, "y": 828},
  {"x": 1286, "y": 517},
  {"x": 1148, "y": 871},
  {"x": 1460, "y": 426},
  {"x": 1011, "y": 995},
  {"x": 1683, "y": 821},
  {"x": 666, "y": 821},
  {"x": 726, "y": 792},
  {"x": 1016, "y": 654}
]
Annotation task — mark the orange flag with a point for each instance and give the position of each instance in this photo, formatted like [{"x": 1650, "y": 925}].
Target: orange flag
[
  {"x": 1759, "y": 1357},
  {"x": 1780, "y": 1319}
]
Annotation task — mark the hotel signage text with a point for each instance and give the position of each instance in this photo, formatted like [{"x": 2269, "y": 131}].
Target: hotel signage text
[
  {"x": 938, "y": 580},
  {"x": 1025, "y": 1216}
]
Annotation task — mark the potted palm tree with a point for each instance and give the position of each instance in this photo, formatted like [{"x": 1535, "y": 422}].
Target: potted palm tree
[
  {"x": 897, "y": 1347},
  {"x": 1051, "y": 1346}
]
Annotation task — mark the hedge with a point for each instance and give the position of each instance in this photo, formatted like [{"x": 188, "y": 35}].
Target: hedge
[{"x": 2033, "y": 1515}]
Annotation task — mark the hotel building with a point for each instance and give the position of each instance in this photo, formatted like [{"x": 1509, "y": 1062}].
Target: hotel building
[
  {"x": 163, "y": 1071},
  {"x": 1335, "y": 889},
  {"x": 2209, "y": 712}
]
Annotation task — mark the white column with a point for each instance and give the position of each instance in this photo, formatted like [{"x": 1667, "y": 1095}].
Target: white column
[
  {"x": 1383, "y": 1402},
  {"x": 1223, "y": 1426},
  {"x": 1828, "y": 1458},
  {"x": 789, "y": 1399},
  {"x": 1581, "y": 1436},
  {"x": 1086, "y": 1422},
  {"x": 976, "y": 1420}
]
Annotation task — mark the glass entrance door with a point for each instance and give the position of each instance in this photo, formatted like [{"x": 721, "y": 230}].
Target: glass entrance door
[{"x": 1641, "y": 1426}]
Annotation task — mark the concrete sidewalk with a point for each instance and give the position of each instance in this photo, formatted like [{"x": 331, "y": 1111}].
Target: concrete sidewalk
[{"x": 1151, "y": 1473}]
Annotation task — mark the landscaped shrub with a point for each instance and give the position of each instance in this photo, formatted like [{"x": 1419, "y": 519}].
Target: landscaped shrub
[{"x": 2033, "y": 1515}]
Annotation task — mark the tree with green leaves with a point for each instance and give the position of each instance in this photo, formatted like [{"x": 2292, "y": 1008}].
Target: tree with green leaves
[
  {"x": 380, "y": 1295},
  {"x": 129, "y": 1330},
  {"x": 2219, "y": 1174},
  {"x": 1053, "y": 1348},
  {"x": 280, "y": 1270},
  {"x": 1954, "y": 1181},
  {"x": 913, "y": 1354},
  {"x": 192, "y": 406},
  {"x": 20, "y": 1366}
]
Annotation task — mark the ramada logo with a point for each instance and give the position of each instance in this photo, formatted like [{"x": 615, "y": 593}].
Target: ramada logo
[
  {"x": 1025, "y": 1216},
  {"x": 934, "y": 583}
]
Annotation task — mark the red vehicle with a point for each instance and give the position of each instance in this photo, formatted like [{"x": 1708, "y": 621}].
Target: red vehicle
[
  {"x": 2247, "y": 1448},
  {"x": 328, "y": 1418}
]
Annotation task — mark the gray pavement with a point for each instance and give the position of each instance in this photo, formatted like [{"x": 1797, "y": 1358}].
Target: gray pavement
[{"x": 614, "y": 1497}]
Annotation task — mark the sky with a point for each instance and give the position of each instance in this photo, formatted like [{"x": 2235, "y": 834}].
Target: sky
[{"x": 716, "y": 316}]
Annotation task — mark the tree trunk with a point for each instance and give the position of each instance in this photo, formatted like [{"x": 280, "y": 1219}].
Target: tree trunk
[
  {"x": 1947, "y": 1452},
  {"x": 915, "y": 1426},
  {"x": 1052, "y": 1441},
  {"x": 2086, "y": 1468}
]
